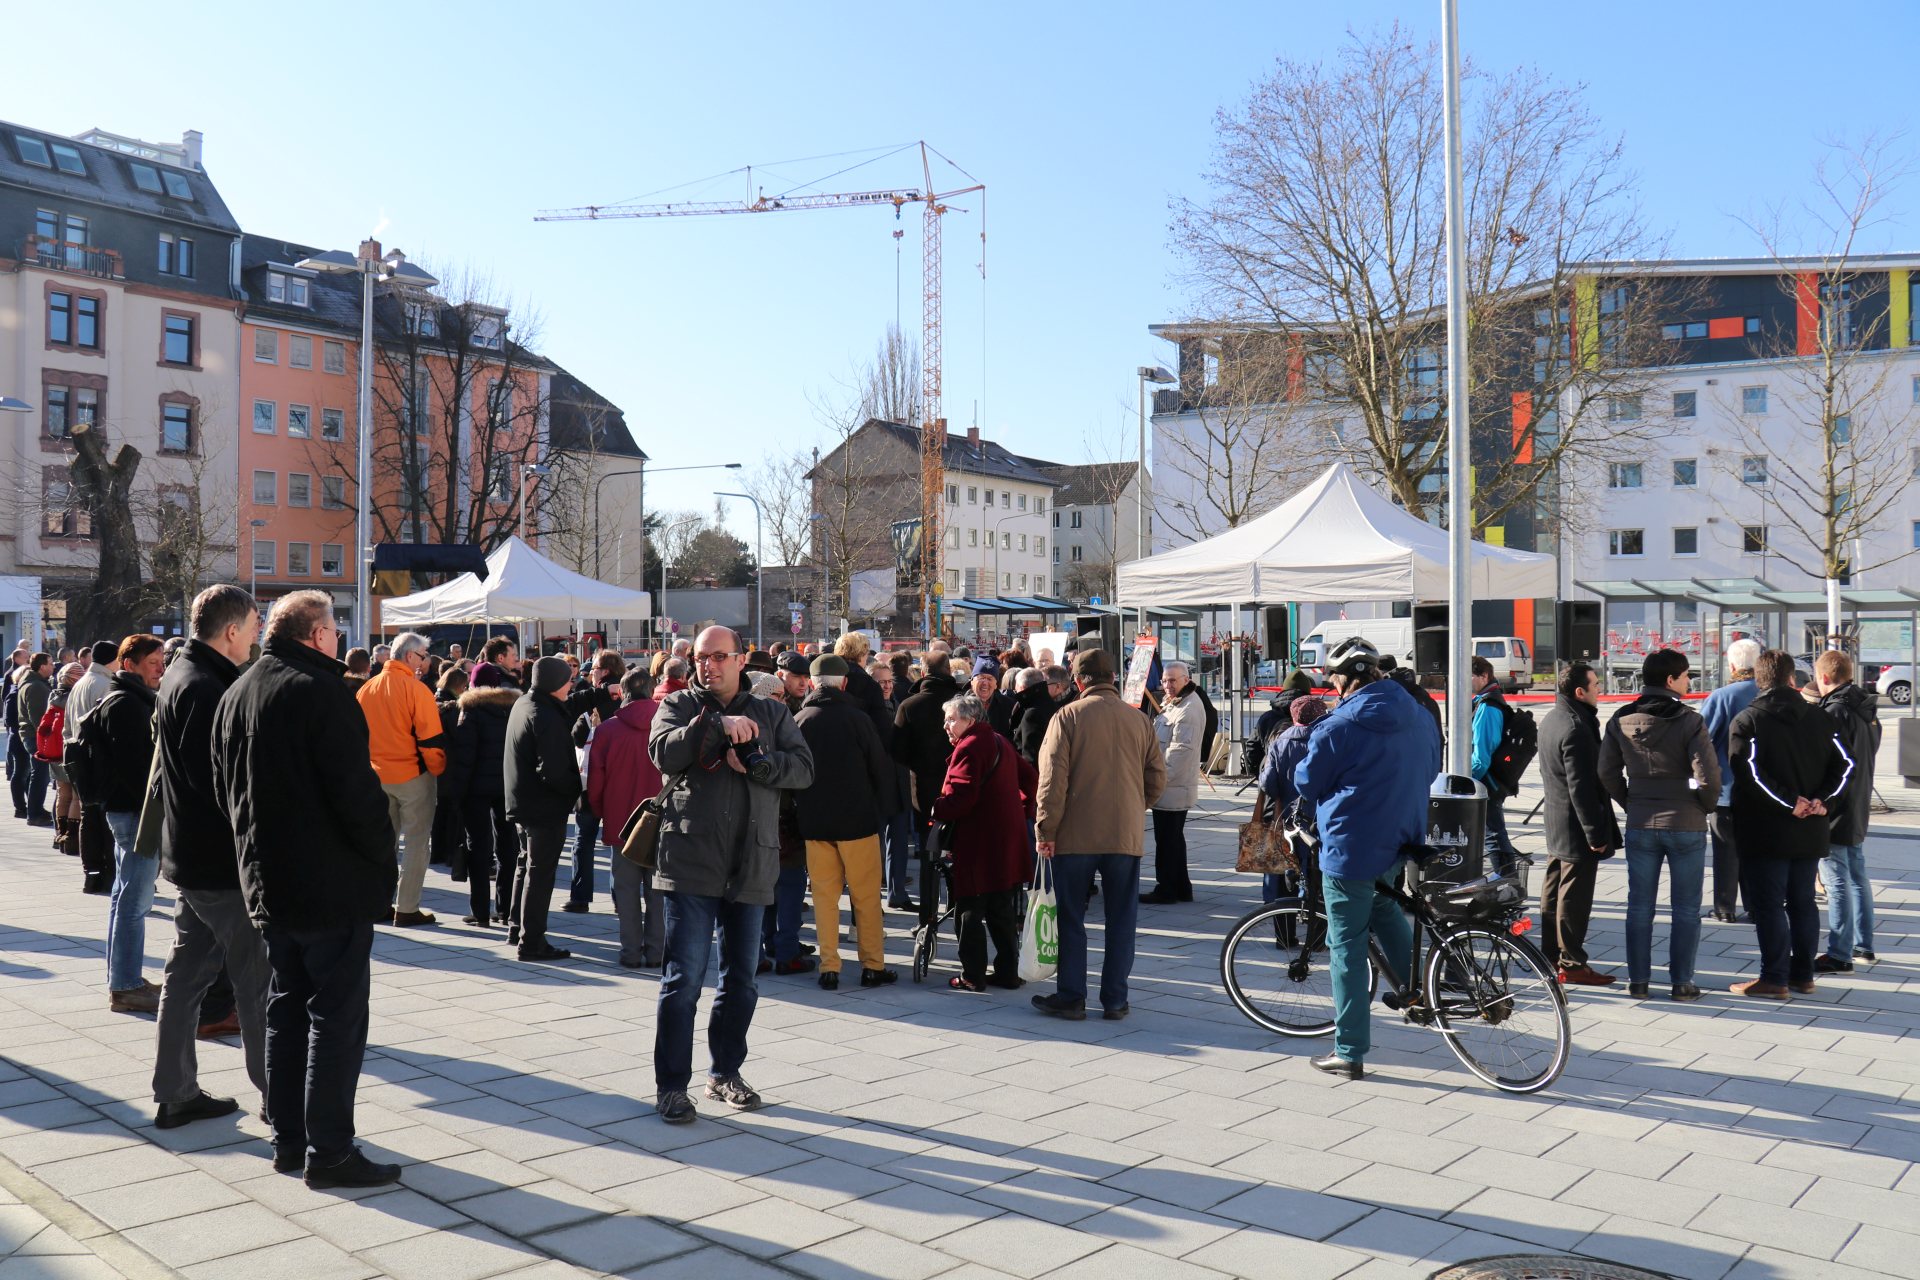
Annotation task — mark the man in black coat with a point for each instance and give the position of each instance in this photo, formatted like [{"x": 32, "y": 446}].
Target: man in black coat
[
  {"x": 1790, "y": 772},
  {"x": 294, "y": 776},
  {"x": 1580, "y": 824},
  {"x": 543, "y": 785},
  {"x": 1844, "y": 869},
  {"x": 122, "y": 762},
  {"x": 210, "y": 921},
  {"x": 1033, "y": 709},
  {"x": 920, "y": 737},
  {"x": 839, "y": 818}
]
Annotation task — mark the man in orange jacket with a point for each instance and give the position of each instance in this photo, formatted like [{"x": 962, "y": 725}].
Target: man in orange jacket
[{"x": 409, "y": 751}]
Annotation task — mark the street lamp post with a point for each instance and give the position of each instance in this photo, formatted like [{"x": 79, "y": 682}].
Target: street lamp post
[
  {"x": 529, "y": 469},
  {"x": 253, "y": 573},
  {"x": 663, "y": 563},
  {"x": 371, "y": 267},
  {"x": 1159, "y": 377},
  {"x": 760, "y": 572},
  {"x": 1459, "y": 451},
  {"x": 642, "y": 471}
]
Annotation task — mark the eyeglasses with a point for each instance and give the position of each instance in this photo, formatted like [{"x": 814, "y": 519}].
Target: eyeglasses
[{"x": 714, "y": 657}]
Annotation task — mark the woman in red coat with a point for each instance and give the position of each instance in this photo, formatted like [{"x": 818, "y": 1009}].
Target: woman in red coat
[{"x": 986, "y": 802}]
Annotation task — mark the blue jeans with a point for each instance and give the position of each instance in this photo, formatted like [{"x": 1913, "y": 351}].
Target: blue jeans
[
  {"x": 132, "y": 898},
  {"x": 586, "y": 842},
  {"x": 896, "y": 833},
  {"x": 1354, "y": 914},
  {"x": 691, "y": 923},
  {"x": 1685, "y": 853},
  {"x": 1849, "y": 901},
  {"x": 1498, "y": 848},
  {"x": 19, "y": 766},
  {"x": 1120, "y": 891},
  {"x": 780, "y": 926}
]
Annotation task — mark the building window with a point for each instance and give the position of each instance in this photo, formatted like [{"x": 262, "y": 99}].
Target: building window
[
  {"x": 1626, "y": 542},
  {"x": 333, "y": 424},
  {"x": 299, "y": 489},
  {"x": 287, "y": 288},
  {"x": 1625, "y": 475},
  {"x": 330, "y": 560},
  {"x": 1843, "y": 429},
  {"x": 422, "y": 318},
  {"x": 32, "y": 151},
  {"x": 1073, "y": 520},
  {"x": 1686, "y": 330},
  {"x": 501, "y": 488},
  {"x": 266, "y": 346},
  {"x": 487, "y": 332},
  {"x": 1753, "y": 539},
  {"x": 333, "y": 492},
  {"x": 1056, "y": 519},
  {"x": 1074, "y": 553},
  {"x": 333, "y": 357},
  {"x": 176, "y": 428},
  {"x": 1056, "y": 553},
  {"x": 1753, "y": 469},
  {"x": 1686, "y": 542},
  {"x": 1916, "y": 535},
  {"x": 953, "y": 495},
  {"x": 176, "y": 256},
  {"x": 1686, "y": 473},
  {"x": 67, "y": 160},
  {"x": 299, "y": 421},
  {"x": 63, "y": 515},
  {"x": 1006, "y": 541},
  {"x": 299, "y": 559},
  {"x": 1023, "y": 582},
  {"x": 145, "y": 177},
  {"x": 953, "y": 538},
  {"x": 266, "y": 489},
  {"x": 1210, "y": 370},
  {"x": 973, "y": 495},
  {"x": 1040, "y": 547},
  {"x": 263, "y": 556},
  {"x": 1039, "y": 585},
  {"x": 1006, "y": 582},
  {"x": 1040, "y": 506},
  {"x": 1023, "y": 502},
  {"x": 73, "y": 320},
  {"x": 973, "y": 537},
  {"x": 953, "y": 581},
  {"x": 1686, "y": 403},
  {"x": 299, "y": 351},
  {"x": 986, "y": 499},
  {"x": 54, "y": 422},
  {"x": 265, "y": 414},
  {"x": 1023, "y": 542},
  {"x": 1753, "y": 399},
  {"x": 177, "y": 340},
  {"x": 177, "y": 185},
  {"x": 1623, "y": 408}
]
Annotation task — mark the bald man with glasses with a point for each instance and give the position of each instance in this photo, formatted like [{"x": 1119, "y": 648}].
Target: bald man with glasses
[{"x": 725, "y": 756}]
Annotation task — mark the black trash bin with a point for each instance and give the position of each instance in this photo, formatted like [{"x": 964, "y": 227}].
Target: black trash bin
[{"x": 1456, "y": 830}]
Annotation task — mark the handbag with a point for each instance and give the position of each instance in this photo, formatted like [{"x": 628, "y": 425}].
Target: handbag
[
  {"x": 640, "y": 838},
  {"x": 1040, "y": 933},
  {"x": 1264, "y": 847}
]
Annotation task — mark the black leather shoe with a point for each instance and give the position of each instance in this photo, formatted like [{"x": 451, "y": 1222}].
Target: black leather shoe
[
  {"x": 289, "y": 1159},
  {"x": 545, "y": 951},
  {"x": 1638, "y": 990},
  {"x": 355, "y": 1171},
  {"x": 574, "y": 908},
  {"x": 1335, "y": 1065},
  {"x": 1116, "y": 1015},
  {"x": 1827, "y": 964},
  {"x": 1158, "y": 898},
  {"x": 203, "y": 1107},
  {"x": 1054, "y": 1006},
  {"x": 1686, "y": 991},
  {"x": 878, "y": 977},
  {"x": 830, "y": 981}
]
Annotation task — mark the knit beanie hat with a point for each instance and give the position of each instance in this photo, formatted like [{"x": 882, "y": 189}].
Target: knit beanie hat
[
  {"x": 551, "y": 673},
  {"x": 1307, "y": 710}
]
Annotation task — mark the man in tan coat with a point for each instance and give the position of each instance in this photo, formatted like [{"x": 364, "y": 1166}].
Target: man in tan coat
[{"x": 1100, "y": 771}]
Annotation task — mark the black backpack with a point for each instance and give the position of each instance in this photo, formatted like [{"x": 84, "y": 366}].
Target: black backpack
[
  {"x": 1519, "y": 744},
  {"x": 85, "y": 756}
]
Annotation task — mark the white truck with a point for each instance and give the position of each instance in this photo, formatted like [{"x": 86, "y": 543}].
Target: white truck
[{"x": 1511, "y": 657}]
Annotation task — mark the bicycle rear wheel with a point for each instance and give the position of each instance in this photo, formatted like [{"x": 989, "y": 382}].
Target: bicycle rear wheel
[
  {"x": 1274, "y": 965},
  {"x": 1495, "y": 1001}
]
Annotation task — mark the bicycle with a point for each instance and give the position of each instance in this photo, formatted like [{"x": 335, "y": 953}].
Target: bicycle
[{"x": 1488, "y": 991}]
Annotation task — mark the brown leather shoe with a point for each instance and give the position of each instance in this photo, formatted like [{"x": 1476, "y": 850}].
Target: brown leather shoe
[
  {"x": 1802, "y": 988},
  {"x": 1580, "y": 975},
  {"x": 227, "y": 1026},
  {"x": 141, "y": 999},
  {"x": 408, "y": 918},
  {"x": 1760, "y": 990}
]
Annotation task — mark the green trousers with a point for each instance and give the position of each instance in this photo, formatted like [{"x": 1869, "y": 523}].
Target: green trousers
[{"x": 1355, "y": 913}]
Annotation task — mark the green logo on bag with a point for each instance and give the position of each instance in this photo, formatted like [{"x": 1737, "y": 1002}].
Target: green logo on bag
[{"x": 1046, "y": 928}]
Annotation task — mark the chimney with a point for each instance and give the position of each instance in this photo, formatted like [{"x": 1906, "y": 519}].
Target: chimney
[
  {"x": 973, "y": 438},
  {"x": 191, "y": 140},
  {"x": 369, "y": 250}
]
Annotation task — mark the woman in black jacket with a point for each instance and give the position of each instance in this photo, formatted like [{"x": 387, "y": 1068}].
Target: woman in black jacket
[
  {"x": 449, "y": 829},
  {"x": 479, "y": 751},
  {"x": 1789, "y": 770}
]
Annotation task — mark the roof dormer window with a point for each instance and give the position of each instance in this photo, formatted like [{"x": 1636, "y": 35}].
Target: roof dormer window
[
  {"x": 177, "y": 185},
  {"x": 32, "y": 151},
  {"x": 283, "y": 286},
  {"x": 67, "y": 159},
  {"x": 145, "y": 177},
  {"x": 487, "y": 332}
]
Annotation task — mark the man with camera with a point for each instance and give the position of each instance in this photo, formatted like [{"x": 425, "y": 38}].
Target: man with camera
[{"x": 726, "y": 756}]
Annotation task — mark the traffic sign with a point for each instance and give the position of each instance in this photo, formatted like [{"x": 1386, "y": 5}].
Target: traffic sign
[
  {"x": 1093, "y": 600},
  {"x": 796, "y": 628},
  {"x": 939, "y": 588}
]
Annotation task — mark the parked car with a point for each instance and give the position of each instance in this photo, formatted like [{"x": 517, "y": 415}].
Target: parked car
[
  {"x": 1895, "y": 684},
  {"x": 1511, "y": 658}
]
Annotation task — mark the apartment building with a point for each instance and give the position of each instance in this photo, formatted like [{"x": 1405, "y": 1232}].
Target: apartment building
[
  {"x": 119, "y": 308},
  {"x": 1096, "y": 526}
]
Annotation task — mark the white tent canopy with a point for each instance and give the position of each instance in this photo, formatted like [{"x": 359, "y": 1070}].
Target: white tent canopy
[
  {"x": 1335, "y": 541},
  {"x": 521, "y": 586}
]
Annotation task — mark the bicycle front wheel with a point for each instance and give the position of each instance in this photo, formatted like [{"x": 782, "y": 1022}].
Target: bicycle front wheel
[
  {"x": 1496, "y": 1003},
  {"x": 1274, "y": 965}
]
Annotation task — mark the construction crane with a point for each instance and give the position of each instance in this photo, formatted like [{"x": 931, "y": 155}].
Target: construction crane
[{"x": 933, "y": 424}]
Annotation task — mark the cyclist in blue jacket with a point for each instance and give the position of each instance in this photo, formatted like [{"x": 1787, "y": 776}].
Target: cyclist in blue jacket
[{"x": 1368, "y": 768}]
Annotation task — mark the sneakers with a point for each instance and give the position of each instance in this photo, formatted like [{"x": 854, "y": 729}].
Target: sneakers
[
  {"x": 355, "y": 1171},
  {"x": 675, "y": 1107},
  {"x": 1827, "y": 964},
  {"x": 203, "y": 1106},
  {"x": 733, "y": 1091},
  {"x": 1861, "y": 953},
  {"x": 1760, "y": 990},
  {"x": 144, "y": 998},
  {"x": 878, "y": 977},
  {"x": 1581, "y": 975}
]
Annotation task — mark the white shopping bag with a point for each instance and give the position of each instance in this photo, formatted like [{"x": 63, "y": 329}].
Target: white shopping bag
[{"x": 1040, "y": 935}]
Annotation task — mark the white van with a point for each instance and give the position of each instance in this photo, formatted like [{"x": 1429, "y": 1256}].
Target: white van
[
  {"x": 1511, "y": 658},
  {"x": 1388, "y": 635}
]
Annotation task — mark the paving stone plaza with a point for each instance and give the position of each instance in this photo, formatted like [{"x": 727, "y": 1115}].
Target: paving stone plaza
[{"x": 913, "y": 1131}]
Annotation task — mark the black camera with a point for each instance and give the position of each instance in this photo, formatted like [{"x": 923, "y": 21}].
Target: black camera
[{"x": 750, "y": 754}]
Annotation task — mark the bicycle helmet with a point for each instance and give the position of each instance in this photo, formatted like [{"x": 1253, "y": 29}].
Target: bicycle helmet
[{"x": 1352, "y": 656}]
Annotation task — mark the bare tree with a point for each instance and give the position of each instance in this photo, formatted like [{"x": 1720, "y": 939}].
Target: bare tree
[
  {"x": 188, "y": 522},
  {"x": 115, "y": 603},
  {"x": 1834, "y": 453},
  {"x": 889, "y": 386},
  {"x": 779, "y": 484},
  {"x": 1325, "y": 227}
]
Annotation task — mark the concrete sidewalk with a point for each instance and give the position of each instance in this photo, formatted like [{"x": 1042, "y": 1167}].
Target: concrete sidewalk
[{"x": 913, "y": 1132}]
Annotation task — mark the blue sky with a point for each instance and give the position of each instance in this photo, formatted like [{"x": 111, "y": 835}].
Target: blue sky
[{"x": 1084, "y": 120}]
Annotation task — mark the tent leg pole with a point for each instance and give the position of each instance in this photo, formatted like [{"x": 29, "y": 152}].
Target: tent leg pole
[{"x": 1231, "y": 653}]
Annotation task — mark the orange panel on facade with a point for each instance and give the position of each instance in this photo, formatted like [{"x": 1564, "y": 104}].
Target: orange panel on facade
[
  {"x": 1806, "y": 296},
  {"x": 1523, "y": 622},
  {"x": 1726, "y": 327},
  {"x": 1523, "y": 426}
]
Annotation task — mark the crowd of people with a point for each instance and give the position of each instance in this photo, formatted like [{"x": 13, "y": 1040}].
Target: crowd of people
[{"x": 295, "y": 801}]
